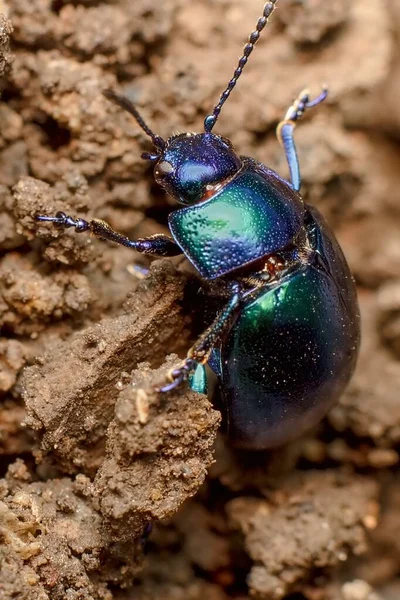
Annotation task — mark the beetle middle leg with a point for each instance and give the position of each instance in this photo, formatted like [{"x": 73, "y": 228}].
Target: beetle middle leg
[
  {"x": 200, "y": 352},
  {"x": 285, "y": 131},
  {"x": 157, "y": 245}
]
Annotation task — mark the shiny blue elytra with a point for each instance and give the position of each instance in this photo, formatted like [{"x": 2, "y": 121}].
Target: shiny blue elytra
[
  {"x": 292, "y": 349},
  {"x": 285, "y": 342}
]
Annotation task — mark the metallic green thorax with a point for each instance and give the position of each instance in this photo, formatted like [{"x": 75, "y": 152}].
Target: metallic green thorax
[{"x": 253, "y": 215}]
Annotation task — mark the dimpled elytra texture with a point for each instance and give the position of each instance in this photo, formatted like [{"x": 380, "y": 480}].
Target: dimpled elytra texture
[
  {"x": 292, "y": 350},
  {"x": 253, "y": 215}
]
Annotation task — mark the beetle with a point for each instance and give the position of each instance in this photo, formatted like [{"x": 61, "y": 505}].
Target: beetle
[{"x": 285, "y": 343}]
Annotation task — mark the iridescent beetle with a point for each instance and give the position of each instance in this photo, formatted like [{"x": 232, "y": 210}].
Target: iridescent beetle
[{"x": 285, "y": 344}]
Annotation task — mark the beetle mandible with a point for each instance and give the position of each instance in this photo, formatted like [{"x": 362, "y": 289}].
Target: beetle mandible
[{"x": 285, "y": 344}]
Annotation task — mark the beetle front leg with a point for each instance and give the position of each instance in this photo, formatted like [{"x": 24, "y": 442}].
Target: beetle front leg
[
  {"x": 285, "y": 131},
  {"x": 158, "y": 245},
  {"x": 200, "y": 352}
]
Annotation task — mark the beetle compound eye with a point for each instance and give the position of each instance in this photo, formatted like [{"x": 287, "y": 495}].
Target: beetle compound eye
[
  {"x": 227, "y": 142},
  {"x": 162, "y": 169}
]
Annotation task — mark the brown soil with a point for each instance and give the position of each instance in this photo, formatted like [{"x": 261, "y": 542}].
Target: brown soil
[{"x": 89, "y": 454}]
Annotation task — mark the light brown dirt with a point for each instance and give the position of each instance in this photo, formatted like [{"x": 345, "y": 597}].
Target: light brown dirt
[{"x": 89, "y": 455}]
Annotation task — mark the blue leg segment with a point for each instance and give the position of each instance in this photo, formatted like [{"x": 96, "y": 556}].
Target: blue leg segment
[
  {"x": 285, "y": 131},
  {"x": 200, "y": 353},
  {"x": 286, "y": 138},
  {"x": 214, "y": 362},
  {"x": 198, "y": 380}
]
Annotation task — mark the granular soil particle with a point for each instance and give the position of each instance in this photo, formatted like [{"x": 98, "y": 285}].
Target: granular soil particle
[{"x": 110, "y": 491}]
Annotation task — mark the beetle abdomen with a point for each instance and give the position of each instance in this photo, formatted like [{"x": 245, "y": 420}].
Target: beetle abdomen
[
  {"x": 251, "y": 216},
  {"x": 292, "y": 350}
]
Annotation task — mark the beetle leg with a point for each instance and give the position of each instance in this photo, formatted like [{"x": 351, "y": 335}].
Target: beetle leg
[
  {"x": 200, "y": 352},
  {"x": 285, "y": 131},
  {"x": 158, "y": 245},
  {"x": 198, "y": 380}
]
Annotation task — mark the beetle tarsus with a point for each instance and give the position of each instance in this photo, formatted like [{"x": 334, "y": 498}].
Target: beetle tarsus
[
  {"x": 62, "y": 220},
  {"x": 303, "y": 102},
  {"x": 178, "y": 376}
]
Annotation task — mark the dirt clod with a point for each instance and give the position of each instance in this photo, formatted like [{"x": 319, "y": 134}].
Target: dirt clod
[
  {"x": 73, "y": 413},
  {"x": 326, "y": 516},
  {"x": 154, "y": 463}
]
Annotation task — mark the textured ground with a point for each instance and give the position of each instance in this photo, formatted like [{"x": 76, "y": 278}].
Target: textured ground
[{"x": 89, "y": 455}]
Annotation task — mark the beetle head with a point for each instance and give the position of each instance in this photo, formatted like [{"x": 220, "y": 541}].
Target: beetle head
[
  {"x": 191, "y": 167},
  {"x": 188, "y": 166}
]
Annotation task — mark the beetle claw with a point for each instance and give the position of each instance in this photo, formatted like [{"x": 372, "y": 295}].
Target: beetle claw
[
  {"x": 178, "y": 376},
  {"x": 58, "y": 219},
  {"x": 322, "y": 96},
  {"x": 62, "y": 220}
]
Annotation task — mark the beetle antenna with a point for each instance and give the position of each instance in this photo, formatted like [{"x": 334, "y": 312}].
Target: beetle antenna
[
  {"x": 127, "y": 105},
  {"x": 210, "y": 120}
]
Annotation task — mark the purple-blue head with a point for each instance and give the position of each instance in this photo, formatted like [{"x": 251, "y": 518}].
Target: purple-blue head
[
  {"x": 193, "y": 165},
  {"x": 189, "y": 166}
]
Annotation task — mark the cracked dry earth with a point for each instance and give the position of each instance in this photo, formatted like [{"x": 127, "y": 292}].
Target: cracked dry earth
[{"x": 90, "y": 457}]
